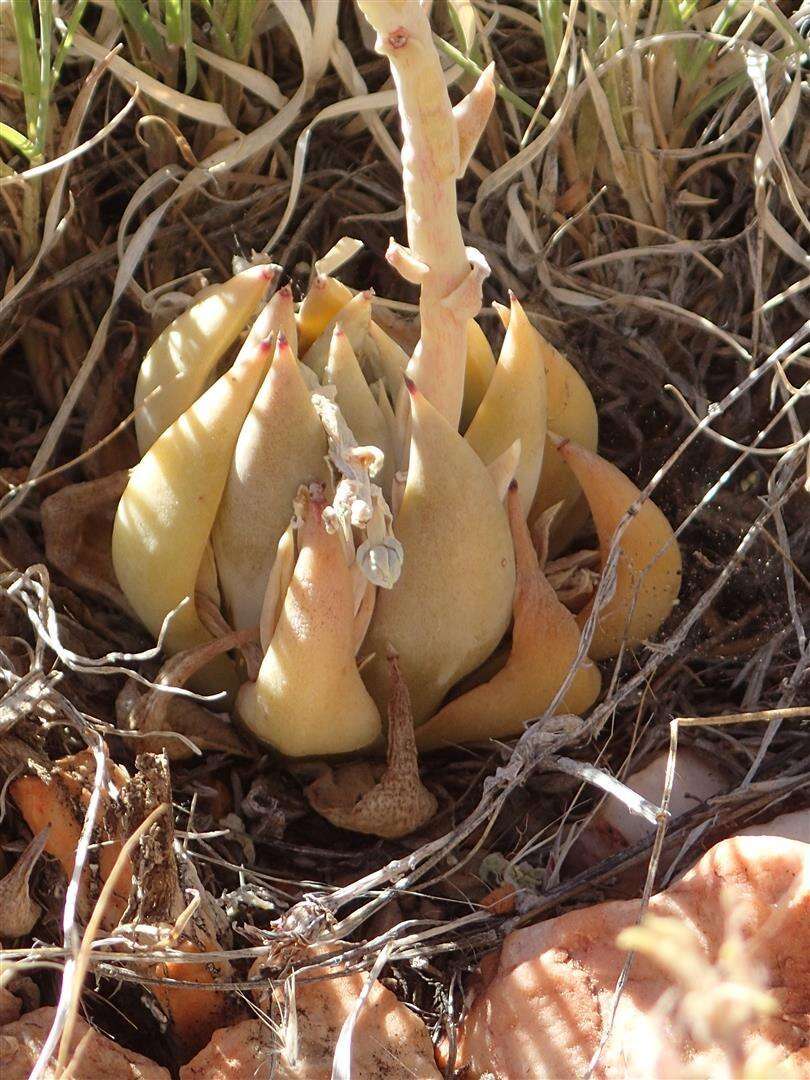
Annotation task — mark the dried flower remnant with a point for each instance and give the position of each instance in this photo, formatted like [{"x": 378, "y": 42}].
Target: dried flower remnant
[
  {"x": 365, "y": 798},
  {"x": 356, "y": 402},
  {"x": 359, "y": 505}
]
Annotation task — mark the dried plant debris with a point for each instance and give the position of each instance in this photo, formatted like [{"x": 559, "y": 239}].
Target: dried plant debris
[
  {"x": 170, "y": 904},
  {"x": 179, "y": 725},
  {"x": 77, "y": 524},
  {"x": 18, "y": 912},
  {"x": 53, "y": 797},
  {"x": 388, "y": 801}
]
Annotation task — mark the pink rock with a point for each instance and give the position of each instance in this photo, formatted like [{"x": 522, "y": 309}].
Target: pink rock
[
  {"x": 615, "y": 828},
  {"x": 389, "y": 1042},
  {"x": 92, "y": 1055},
  {"x": 549, "y": 993},
  {"x": 795, "y": 826},
  {"x": 10, "y": 1006}
]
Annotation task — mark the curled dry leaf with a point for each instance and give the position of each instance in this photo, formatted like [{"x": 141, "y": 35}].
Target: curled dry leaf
[
  {"x": 18, "y": 912},
  {"x": 574, "y": 578},
  {"x": 107, "y": 407},
  {"x": 91, "y": 1053},
  {"x": 364, "y": 797},
  {"x": 160, "y": 711},
  {"x": 77, "y": 523}
]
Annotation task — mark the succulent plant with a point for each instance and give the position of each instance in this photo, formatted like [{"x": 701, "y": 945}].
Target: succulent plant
[{"x": 344, "y": 498}]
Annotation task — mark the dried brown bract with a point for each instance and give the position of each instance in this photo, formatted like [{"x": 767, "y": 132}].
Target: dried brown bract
[
  {"x": 77, "y": 522},
  {"x": 368, "y": 798},
  {"x": 18, "y": 912}
]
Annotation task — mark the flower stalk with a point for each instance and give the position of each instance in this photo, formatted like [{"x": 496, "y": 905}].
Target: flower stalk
[{"x": 438, "y": 142}]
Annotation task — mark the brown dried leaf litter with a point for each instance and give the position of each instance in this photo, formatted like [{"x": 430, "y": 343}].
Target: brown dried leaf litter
[{"x": 711, "y": 304}]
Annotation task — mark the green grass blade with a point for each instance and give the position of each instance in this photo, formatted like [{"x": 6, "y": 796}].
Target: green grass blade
[
  {"x": 672, "y": 19},
  {"x": 70, "y": 30},
  {"x": 25, "y": 33},
  {"x": 136, "y": 15},
  {"x": 550, "y": 12},
  {"x": 246, "y": 11},
  {"x": 45, "y": 44},
  {"x": 189, "y": 48},
  {"x": 228, "y": 13},
  {"x": 17, "y": 142},
  {"x": 593, "y": 38},
  {"x": 715, "y": 95},
  {"x": 173, "y": 20},
  {"x": 702, "y": 54},
  {"x": 470, "y": 66},
  {"x": 219, "y": 34}
]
